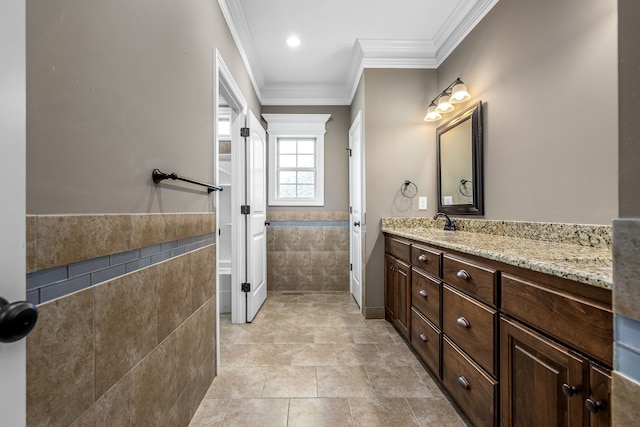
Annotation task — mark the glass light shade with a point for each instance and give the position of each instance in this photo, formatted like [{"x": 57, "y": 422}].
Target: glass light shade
[
  {"x": 459, "y": 93},
  {"x": 432, "y": 114},
  {"x": 444, "y": 106}
]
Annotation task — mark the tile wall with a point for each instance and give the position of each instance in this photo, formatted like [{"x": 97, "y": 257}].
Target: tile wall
[
  {"x": 308, "y": 251},
  {"x": 137, "y": 348},
  {"x": 626, "y": 308}
]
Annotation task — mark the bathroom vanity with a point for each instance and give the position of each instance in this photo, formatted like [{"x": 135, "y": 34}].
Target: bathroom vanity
[{"x": 518, "y": 330}]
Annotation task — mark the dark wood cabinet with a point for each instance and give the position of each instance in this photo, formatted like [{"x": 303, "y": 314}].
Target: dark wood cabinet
[
  {"x": 542, "y": 382},
  {"x": 398, "y": 293},
  {"x": 512, "y": 347}
]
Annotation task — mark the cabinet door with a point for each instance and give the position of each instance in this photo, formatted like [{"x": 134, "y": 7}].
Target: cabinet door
[
  {"x": 599, "y": 401},
  {"x": 542, "y": 382},
  {"x": 403, "y": 314},
  {"x": 390, "y": 289}
]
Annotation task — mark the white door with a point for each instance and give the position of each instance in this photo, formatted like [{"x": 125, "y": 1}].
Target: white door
[
  {"x": 12, "y": 214},
  {"x": 355, "y": 203},
  {"x": 256, "y": 228}
]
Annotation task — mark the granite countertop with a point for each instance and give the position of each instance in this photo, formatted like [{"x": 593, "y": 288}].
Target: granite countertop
[{"x": 585, "y": 264}]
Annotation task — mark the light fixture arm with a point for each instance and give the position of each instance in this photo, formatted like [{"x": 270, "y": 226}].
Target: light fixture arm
[{"x": 447, "y": 91}]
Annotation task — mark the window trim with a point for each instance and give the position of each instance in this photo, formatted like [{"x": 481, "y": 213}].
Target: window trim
[{"x": 296, "y": 126}]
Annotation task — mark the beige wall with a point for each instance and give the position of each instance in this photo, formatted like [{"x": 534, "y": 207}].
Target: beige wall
[
  {"x": 547, "y": 74},
  {"x": 336, "y": 160},
  {"x": 116, "y": 89},
  {"x": 629, "y": 153},
  {"x": 398, "y": 146}
]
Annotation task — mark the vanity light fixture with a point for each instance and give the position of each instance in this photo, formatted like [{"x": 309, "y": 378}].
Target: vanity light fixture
[{"x": 455, "y": 93}]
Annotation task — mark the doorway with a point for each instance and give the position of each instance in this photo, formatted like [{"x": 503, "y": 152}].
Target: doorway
[{"x": 356, "y": 209}]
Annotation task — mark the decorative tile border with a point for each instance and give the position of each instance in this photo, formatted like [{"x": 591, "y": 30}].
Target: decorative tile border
[
  {"x": 597, "y": 236},
  {"x": 57, "y": 282},
  {"x": 307, "y": 216},
  {"x": 58, "y": 240},
  {"x": 309, "y": 224}
]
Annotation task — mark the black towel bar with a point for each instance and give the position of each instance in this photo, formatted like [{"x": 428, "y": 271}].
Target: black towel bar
[{"x": 159, "y": 176}]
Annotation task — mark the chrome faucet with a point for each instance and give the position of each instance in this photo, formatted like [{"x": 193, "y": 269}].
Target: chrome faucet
[{"x": 448, "y": 225}]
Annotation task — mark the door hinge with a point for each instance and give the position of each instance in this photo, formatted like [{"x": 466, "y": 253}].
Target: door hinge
[
  {"x": 244, "y": 132},
  {"x": 246, "y": 287},
  {"x": 245, "y": 209},
  {"x": 350, "y": 267},
  {"x": 349, "y": 150},
  {"x": 350, "y": 209}
]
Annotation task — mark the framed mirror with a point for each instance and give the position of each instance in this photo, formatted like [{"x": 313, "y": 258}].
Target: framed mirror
[{"x": 459, "y": 151}]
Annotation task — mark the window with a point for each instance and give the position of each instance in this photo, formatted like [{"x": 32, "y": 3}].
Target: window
[{"x": 296, "y": 159}]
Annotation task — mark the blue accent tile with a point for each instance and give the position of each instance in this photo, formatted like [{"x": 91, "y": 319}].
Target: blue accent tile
[
  {"x": 184, "y": 242},
  {"x": 34, "y": 296},
  {"x": 150, "y": 250},
  {"x": 169, "y": 245},
  {"x": 627, "y": 361},
  {"x": 191, "y": 247},
  {"x": 177, "y": 251},
  {"x": 45, "y": 277},
  {"x": 61, "y": 289},
  {"x": 627, "y": 331},
  {"x": 160, "y": 257},
  {"x": 107, "y": 274},
  {"x": 123, "y": 257},
  {"x": 138, "y": 264},
  {"x": 88, "y": 266}
]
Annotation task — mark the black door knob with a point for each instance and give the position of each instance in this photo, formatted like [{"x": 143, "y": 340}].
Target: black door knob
[
  {"x": 17, "y": 319},
  {"x": 356, "y": 224}
]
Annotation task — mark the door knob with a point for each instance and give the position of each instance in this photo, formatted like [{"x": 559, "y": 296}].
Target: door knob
[
  {"x": 422, "y": 257},
  {"x": 422, "y": 293},
  {"x": 17, "y": 319},
  {"x": 594, "y": 407},
  {"x": 356, "y": 224},
  {"x": 569, "y": 390}
]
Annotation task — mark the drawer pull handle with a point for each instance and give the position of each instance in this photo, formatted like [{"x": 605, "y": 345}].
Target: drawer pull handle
[
  {"x": 422, "y": 293},
  {"x": 569, "y": 390},
  {"x": 594, "y": 407},
  {"x": 462, "y": 382},
  {"x": 461, "y": 321},
  {"x": 422, "y": 257},
  {"x": 422, "y": 337},
  {"x": 462, "y": 274}
]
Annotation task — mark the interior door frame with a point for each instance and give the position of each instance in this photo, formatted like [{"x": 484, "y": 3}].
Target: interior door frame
[
  {"x": 363, "y": 226},
  {"x": 226, "y": 86},
  {"x": 13, "y": 395}
]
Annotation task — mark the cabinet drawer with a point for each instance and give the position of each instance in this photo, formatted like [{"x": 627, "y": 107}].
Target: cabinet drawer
[
  {"x": 475, "y": 279},
  {"x": 469, "y": 385},
  {"x": 425, "y": 339},
  {"x": 429, "y": 260},
  {"x": 582, "y": 324},
  {"x": 425, "y": 295},
  {"x": 471, "y": 325},
  {"x": 400, "y": 249}
]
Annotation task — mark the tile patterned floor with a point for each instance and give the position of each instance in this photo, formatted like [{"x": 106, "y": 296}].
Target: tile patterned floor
[{"x": 312, "y": 360}]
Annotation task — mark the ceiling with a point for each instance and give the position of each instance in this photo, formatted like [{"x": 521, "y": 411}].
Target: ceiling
[{"x": 339, "y": 38}]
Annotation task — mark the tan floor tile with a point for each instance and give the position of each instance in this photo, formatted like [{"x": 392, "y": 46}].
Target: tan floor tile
[
  {"x": 295, "y": 335},
  {"x": 238, "y": 383},
  {"x": 398, "y": 355},
  {"x": 358, "y": 355},
  {"x": 314, "y": 355},
  {"x": 381, "y": 412},
  {"x": 210, "y": 413},
  {"x": 435, "y": 413},
  {"x": 343, "y": 381},
  {"x": 257, "y": 412},
  {"x": 290, "y": 381},
  {"x": 269, "y": 355},
  {"x": 371, "y": 335},
  {"x": 319, "y": 413},
  {"x": 326, "y": 335},
  {"x": 392, "y": 381},
  {"x": 256, "y": 335}
]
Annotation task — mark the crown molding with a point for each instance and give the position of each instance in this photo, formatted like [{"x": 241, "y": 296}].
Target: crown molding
[
  {"x": 367, "y": 53},
  {"x": 239, "y": 29}
]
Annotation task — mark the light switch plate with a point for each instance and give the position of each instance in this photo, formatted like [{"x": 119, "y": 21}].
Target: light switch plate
[{"x": 422, "y": 203}]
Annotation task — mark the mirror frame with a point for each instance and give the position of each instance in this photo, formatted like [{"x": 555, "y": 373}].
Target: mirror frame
[{"x": 473, "y": 113}]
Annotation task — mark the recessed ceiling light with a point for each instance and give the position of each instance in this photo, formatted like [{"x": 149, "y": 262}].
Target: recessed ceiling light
[{"x": 293, "y": 41}]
